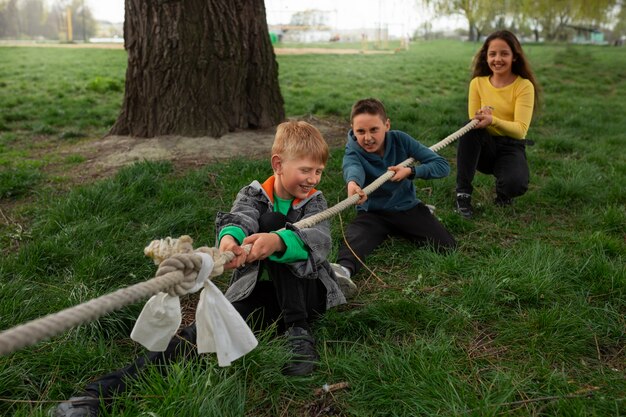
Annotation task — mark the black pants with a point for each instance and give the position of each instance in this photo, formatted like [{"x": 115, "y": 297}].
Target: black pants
[
  {"x": 298, "y": 301},
  {"x": 369, "y": 229},
  {"x": 285, "y": 299},
  {"x": 501, "y": 156}
]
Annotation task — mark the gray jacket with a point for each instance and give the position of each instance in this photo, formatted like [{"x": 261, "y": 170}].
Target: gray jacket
[{"x": 251, "y": 203}]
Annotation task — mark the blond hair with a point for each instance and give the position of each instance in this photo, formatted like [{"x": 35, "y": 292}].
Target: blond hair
[{"x": 298, "y": 139}]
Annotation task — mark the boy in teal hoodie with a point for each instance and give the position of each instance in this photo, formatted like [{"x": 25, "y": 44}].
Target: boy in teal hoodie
[{"x": 393, "y": 209}]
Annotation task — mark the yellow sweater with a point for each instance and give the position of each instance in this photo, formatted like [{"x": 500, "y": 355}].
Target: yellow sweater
[{"x": 513, "y": 105}]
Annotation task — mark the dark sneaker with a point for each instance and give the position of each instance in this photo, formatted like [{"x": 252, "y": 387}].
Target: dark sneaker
[
  {"x": 503, "y": 201},
  {"x": 86, "y": 406},
  {"x": 347, "y": 286},
  {"x": 464, "y": 205},
  {"x": 305, "y": 357}
]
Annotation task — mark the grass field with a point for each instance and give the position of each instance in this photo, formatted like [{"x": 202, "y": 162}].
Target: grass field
[{"x": 527, "y": 317}]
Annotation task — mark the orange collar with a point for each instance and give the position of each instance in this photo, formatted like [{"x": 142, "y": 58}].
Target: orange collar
[{"x": 268, "y": 186}]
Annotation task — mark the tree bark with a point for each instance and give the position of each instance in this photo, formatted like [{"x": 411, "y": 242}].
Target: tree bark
[
  {"x": 198, "y": 68},
  {"x": 473, "y": 37}
]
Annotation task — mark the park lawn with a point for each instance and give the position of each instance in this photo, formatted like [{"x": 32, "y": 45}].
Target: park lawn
[{"x": 527, "y": 317}]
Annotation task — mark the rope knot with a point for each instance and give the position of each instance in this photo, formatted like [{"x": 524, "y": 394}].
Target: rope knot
[
  {"x": 177, "y": 256},
  {"x": 161, "y": 249},
  {"x": 219, "y": 259},
  {"x": 185, "y": 264}
]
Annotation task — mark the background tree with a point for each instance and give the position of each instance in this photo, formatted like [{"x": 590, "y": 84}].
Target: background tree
[
  {"x": 198, "y": 67},
  {"x": 594, "y": 13},
  {"x": 39, "y": 18},
  {"x": 83, "y": 23},
  {"x": 32, "y": 17},
  {"x": 529, "y": 13},
  {"x": 550, "y": 18},
  {"x": 9, "y": 19},
  {"x": 480, "y": 14},
  {"x": 619, "y": 29}
]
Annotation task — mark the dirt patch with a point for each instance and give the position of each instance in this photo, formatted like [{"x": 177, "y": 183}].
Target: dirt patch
[{"x": 106, "y": 155}]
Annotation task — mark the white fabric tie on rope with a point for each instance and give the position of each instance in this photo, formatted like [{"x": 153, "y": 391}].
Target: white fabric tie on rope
[
  {"x": 220, "y": 328},
  {"x": 158, "y": 322}
]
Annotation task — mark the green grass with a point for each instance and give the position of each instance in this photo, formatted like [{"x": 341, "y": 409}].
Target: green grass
[
  {"x": 52, "y": 97},
  {"x": 525, "y": 318}
]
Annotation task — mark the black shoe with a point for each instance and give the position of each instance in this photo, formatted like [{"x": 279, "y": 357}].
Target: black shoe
[
  {"x": 503, "y": 201},
  {"x": 305, "y": 357},
  {"x": 464, "y": 205},
  {"x": 85, "y": 406}
]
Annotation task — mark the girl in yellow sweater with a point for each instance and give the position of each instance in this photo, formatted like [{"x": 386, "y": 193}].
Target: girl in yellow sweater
[{"x": 502, "y": 96}]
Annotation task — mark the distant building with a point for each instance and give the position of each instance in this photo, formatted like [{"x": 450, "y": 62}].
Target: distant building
[
  {"x": 586, "y": 34},
  {"x": 106, "y": 29}
]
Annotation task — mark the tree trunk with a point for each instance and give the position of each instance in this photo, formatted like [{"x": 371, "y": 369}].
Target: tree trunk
[
  {"x": 198, "y": 68},
  {"x": 472, "y": 32}
]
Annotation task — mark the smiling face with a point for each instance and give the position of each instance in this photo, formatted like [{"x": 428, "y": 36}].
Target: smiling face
[
  {"x": 369, "y": 130},
  {"x": 296, "y": 177},
  {"x": 500, "y": 57}
]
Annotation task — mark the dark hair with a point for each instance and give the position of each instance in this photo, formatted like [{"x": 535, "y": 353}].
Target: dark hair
[
  {"x": 520, "y": 65},
  {"x": 368, "y": 106}
]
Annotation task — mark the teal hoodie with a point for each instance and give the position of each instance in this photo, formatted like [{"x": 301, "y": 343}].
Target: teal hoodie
[{"x": 363, "y": 168}]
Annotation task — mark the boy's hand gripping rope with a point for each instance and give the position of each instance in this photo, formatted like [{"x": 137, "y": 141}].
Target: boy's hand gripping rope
[{"x": 176, "y": 274}]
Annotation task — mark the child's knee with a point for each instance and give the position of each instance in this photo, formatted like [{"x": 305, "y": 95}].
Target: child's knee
[
  {"x": 446, "y": 245},
  {"x": 513, "y": 187}
]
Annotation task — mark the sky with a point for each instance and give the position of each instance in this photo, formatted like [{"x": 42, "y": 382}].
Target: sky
[
  {"x": 110, "y": 10},
  {"x": 399, "y": 16}
]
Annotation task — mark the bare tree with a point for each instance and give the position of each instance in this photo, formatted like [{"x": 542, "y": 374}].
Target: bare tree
[
  {"x": 550, "y": 18},
  {"x": 32, "y": 15},
  {"x": 198, "y": 67},
  {"x": 9, "y": 19},
  {"x": 480, "y": 14}
]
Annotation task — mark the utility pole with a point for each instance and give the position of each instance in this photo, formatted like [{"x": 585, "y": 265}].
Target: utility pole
[{"x": 70, "y": 31}]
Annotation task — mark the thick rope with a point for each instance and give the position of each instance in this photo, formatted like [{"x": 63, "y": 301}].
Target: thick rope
[{"x": 176, "y": 274}]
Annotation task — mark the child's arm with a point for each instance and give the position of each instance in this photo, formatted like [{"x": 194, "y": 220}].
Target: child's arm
[
  {"x": 522, "y": 114},
  {"x": 431, "y": 165},
  {"x": 264, "y": 245},
  {"x": 474, "y": 102},
  {"x": 233, "y": 227},
  {"x": 353, "y": 174},
  {"x": 484, "y": 116},
  {"x": 353, "y": 188},
  {"x": 229, "y": 243},
  {"x": 352, "y": 168},
  {"x": 400, "y": 173}
]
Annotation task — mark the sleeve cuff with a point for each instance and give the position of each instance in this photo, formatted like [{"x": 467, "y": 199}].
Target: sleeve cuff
[
  {"x": 236, "y": 232},
  {"x": 295, "y": 249}
]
